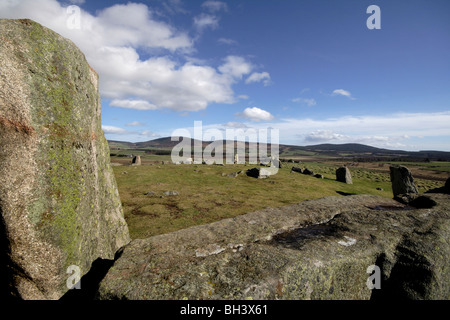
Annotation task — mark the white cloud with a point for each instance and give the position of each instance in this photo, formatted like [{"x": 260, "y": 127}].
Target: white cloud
[
  {"x": 256, "y": 114},
  {"x": 235, "y": 67},
  {"x": 214, "y": 6},
  {"x": 309, "y": 102},
  {"x": 149, "y": 134},
  {"x": 324, "y": 135},
  {"x": 227, "y": 41},
  {"x": 342, "y": 92},
  {"x": 135, "y": 124},
  {"x": 203, "y": 21},
  {"x": 258, "y": 77},
  {"x": 114, "y": 130},
  {"x": 133, "y": 104},
  {"x": 407, "y": 131},
  {"x": 243, "y": 97},
  {"x": 110, "y": 40}
]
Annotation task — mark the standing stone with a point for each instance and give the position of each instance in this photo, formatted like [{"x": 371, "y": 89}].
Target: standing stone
[
  {"x": 59, "y": 204},
  {"x": 447, "y": 185},
  {"x": 343, "y": 175},
  {"x": 402, "y": 180},
  {"x": 136, "y": 161}
]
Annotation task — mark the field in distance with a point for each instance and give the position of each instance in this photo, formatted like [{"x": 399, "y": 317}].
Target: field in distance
[{"x": 206, "y": 194}]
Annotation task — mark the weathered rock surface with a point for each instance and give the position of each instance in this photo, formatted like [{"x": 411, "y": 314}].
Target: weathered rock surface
[
  {"x": 59, "y": 202},
  {"x": 317, "y": 249},
  {"x": 261, "y": 173},
  {"x": 402, "y": 180},
  {"x": 343, "y": 175}
]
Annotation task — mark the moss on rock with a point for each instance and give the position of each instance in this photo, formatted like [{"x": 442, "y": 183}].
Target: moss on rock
[{"x": 72, "y": 208}]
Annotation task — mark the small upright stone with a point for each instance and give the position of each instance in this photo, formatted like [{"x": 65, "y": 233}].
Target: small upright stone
[
  {"x": 402, "y": 180},
  {"x": 136, "y": 161},
  {"x": 343, "y": 175}
]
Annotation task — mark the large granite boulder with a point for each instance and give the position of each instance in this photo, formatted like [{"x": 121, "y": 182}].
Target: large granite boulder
[
  {"x": 317, "y": 249},
  {"x": 402, "y": 181},
  {"x": 59, "y": 203},
  {"x": 343, "y": 175}
]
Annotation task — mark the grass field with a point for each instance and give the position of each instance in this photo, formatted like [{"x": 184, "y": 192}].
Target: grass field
[{"x": 206, "y": 196}]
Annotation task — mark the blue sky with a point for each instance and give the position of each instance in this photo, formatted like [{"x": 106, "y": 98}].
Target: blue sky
[{"x": 311, "y": 69}]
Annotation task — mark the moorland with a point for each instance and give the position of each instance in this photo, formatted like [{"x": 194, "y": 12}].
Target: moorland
[{"x": 205, "y": 193}]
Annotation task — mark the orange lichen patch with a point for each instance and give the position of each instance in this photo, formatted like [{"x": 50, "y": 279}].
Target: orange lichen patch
[
  {"x": 93, "y": 136},
  {"x": 18, "y": 126}
]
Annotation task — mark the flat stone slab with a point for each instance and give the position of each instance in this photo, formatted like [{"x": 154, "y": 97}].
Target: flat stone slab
[{"x": 317, "y": 249}]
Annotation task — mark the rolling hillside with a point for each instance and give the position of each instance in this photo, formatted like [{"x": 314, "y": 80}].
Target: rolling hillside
[{"x": 359, "y": 152}]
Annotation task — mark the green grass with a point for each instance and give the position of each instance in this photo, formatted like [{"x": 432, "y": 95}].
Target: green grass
[{"x": 206, "y": 196}]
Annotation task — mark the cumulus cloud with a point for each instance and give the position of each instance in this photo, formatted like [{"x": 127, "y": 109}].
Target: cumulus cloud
[
  {"x": 132, "y": 104},
  {"x": 111, "y": 41},
  {"x": 389, "y": 130},
  {"x": 204, "y": 21},
  {"x": 256, "y": 114},
  {"x": 324, "y": 135},
  {"x": 114, "y": 130},
  {"x": 235, "y": 67},
  {"x": 258, "y": 77},
  {"x": 342, "y": 92},
  {"x": 310, "y": 102}
]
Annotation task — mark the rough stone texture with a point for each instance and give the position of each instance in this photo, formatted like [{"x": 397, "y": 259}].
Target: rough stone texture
[
  {"x": 59, "y": 201},
  {"x": 402, "y": 180},
  {"x": 343, "y": 175},
  {"x": 136, "y": 160},
  {"x": 318, "y": 249}
]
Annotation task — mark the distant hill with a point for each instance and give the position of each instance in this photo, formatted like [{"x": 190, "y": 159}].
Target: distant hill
[{"x": 355, "y": 151}]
